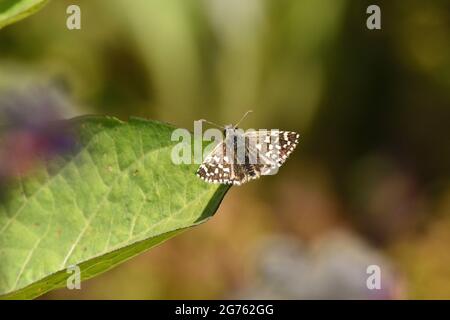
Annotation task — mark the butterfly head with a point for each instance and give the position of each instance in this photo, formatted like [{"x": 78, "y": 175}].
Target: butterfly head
[
  {"x": 231, "y": 129},
  {"x": 228, "y": 129}
]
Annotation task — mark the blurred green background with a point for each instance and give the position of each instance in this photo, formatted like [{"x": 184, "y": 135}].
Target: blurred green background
[{"x": 368, "y": 183}]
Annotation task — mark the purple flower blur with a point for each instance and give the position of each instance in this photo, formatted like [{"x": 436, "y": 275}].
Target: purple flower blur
[{"x": 30, "y": 131}]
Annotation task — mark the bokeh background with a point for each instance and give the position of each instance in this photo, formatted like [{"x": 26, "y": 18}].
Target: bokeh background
[{"x": 368, "y": 184}]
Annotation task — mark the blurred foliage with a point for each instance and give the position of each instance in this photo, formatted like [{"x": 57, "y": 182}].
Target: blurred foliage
[
  {"x": 372, "y": 107},
  {"x": 14, "y": 10}
]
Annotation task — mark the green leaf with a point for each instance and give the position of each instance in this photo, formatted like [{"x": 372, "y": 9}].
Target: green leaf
[
  {"x": 117, "y": 195},
  {"x": 14, "y": 10}
]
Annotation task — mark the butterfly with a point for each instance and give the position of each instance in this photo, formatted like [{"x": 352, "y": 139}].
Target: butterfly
[{"x": 245, "y": 156}]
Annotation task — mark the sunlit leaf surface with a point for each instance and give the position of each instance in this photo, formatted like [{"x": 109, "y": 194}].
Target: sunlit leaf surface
[{"x": 115, "y": 195}]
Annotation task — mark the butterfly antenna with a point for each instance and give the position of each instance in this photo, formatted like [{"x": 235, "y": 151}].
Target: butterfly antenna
[
  {"x": 212, "y": 123},
  {"x": 243, "y": 117}
]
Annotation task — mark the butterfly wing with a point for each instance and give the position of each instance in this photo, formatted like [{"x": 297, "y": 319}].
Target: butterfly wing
[
  {"x": 216, "y": 168},
  {"x": 288, "y": 140},
  {"x": 273, "y": 147}
]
